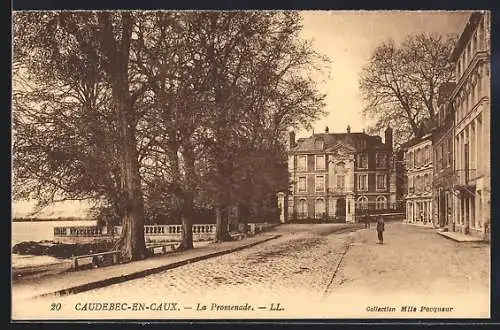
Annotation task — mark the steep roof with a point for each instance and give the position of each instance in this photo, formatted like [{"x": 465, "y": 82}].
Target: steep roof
[{"x": 323, "y": 141}]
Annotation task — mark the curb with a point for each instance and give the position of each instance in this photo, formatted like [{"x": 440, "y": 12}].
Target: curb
[
  {"x": 461, "y": 241},
  {"x": 146, "y": 272}
]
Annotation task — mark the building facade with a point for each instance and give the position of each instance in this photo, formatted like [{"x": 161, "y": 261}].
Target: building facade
[
  {"x": 418, "y": 157},
  {"x": 443, "y": 170},
  {"x": 471, "y": 102},
  {"x": 336, "y": 175}
]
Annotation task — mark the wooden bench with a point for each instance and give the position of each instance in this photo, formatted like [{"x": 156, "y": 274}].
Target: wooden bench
[
  {"x": 238, "y": 236},
  {"x": 151, "y": 248},
  {"x": 97, "y": 258}
]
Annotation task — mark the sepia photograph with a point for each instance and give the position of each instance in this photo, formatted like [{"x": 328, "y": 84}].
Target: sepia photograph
[{"x": 251, "y": 164}]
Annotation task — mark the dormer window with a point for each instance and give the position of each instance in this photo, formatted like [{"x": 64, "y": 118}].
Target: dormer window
[{"x": 319, "y": 144}]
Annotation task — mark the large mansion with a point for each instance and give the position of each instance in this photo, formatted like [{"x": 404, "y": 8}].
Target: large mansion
[{"x": 336, "y": 175}]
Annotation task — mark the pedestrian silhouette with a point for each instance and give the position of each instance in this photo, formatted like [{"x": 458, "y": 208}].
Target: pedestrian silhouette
[
  {"x": 380, "y": 229},
  {"x": 366, "y": 220}
]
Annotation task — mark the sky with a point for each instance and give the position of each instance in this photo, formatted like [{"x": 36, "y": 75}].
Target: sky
[{"x": 348, "y": 38}]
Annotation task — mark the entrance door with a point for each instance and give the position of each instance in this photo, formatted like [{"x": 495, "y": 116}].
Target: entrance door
[{"x": 340, "y": 209}]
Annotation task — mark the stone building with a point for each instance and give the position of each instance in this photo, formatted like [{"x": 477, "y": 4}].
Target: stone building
[
  {"x": 471, "y": 102},
  {"x": 418, "y": 157},
  {"x": 443, "y": 173},
  {"x": 336, "y": 175}
]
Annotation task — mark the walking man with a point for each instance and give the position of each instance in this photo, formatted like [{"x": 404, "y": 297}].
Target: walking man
[{"x": 380, "y": 229}]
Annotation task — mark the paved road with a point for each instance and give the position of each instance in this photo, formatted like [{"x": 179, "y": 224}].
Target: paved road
[{"x": 312, "y": 263}]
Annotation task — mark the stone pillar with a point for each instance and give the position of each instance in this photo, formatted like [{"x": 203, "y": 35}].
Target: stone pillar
[
  {"x": 350, "y": 209},
  {"x": 281, "y": 206},
  {"x": 290, "y": 208},
  {"x": 409, "y": 210}
]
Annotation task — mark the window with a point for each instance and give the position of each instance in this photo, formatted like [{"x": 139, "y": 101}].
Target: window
[
  {"x": 302, "y": 208},
  {"x": 340, "y": 171},
  {"x": 319, "y": 144},
  {"x": 474, "y": 100},
  {"x": 479, "y": 87},
  {"x": 381, "y": 159},
  {"x": 340, "y": 181},
  {"x": 381, "y": 203},
  {"x": 319, "y": 207},
  {"x": 410, "y": 159},
  {"x": 363, "y": 161},
  {"x": 320, "y": 183},
  {"x": 440, "y": 157},
  {"x": 320, "y": 162},
  {"x": 362, "y": 202},
  {"x": 427, "y": 183},
  {"x": 302, "y": 183},
  {"x": 411, "y": 186},
  {"x": 302, "y": 163},
  {"x": 362, "y": 182},
  {"x": 381, "y": 184},
  {"x": 418, "y": 187},
  {"x": 449, "y": 154}
]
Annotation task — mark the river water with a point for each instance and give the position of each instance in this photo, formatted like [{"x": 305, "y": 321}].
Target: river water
[
  {"x": 41, "y": 230},
  {"x": 38, "y": 231}
]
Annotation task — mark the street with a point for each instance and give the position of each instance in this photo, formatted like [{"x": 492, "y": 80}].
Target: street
[{"x": 314, "y": 264}]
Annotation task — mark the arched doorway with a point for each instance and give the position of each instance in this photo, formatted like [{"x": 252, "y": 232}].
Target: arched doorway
[{"x": 340, "y": 208}]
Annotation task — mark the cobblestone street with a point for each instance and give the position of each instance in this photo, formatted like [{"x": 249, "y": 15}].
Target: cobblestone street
[
  {"x": 302, "y": 267},
  {"x": 302, "y": 259}
]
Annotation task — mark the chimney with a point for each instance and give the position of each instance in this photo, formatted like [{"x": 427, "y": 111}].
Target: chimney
[
  {"x": 388, "y": 137},
  {"x": 291, "y": 139},
  {"x": 327, "y": 130},
  {"x": 348, "y": 129}
]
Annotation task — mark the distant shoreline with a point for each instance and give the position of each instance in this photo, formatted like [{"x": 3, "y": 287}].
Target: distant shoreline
[{"x": 49, "y": 219}]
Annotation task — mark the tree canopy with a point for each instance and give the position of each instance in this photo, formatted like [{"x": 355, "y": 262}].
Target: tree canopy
[
  {"x": 400, "y": 83},
  {"x": 156, "y": 113}
]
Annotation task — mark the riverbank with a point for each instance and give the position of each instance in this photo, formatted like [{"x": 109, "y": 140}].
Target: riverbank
[
  {"x": 68, "y": 282},
  {"x": 60, "y": 250}
]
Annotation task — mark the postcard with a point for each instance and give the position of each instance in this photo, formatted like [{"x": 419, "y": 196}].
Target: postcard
[{"x": 217, "y": 165}]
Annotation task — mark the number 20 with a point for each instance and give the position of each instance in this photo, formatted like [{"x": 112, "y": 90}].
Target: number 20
[{"x": 55, "y": 306}]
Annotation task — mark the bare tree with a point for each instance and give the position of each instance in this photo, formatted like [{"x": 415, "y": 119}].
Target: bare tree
[{"x": 400, "y": 83}]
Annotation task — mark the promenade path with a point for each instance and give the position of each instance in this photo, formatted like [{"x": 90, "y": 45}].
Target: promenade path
[{"x": 312, "y": 271}]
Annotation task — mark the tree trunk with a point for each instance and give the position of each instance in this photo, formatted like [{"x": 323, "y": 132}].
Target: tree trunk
[
  {"x": 221, "y": 233},
  {"x": 131, "y": 242},
  {"x": 187, "y": 223},
  {"x": 187, "y": 210},
  {"x": 116, "y": 50}
]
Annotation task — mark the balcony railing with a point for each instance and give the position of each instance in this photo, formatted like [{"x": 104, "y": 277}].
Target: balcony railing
[
  {"x": 339, "y": 190},
  {"x": 301, "y": 215}
]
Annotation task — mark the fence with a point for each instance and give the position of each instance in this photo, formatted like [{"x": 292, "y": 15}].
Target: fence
[
  {"x": 389, "y": 214},
  {"x": 152, "y": 233}
]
